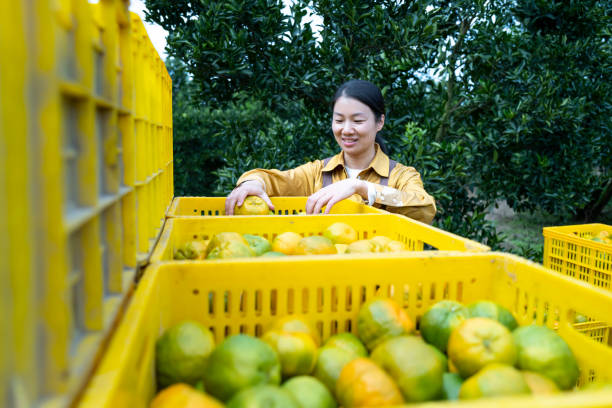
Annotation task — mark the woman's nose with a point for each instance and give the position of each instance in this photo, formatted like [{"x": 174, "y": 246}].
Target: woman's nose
[{"x": 347, "y": 128}]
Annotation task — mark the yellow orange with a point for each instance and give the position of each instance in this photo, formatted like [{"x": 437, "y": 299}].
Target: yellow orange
[
  {"x": 297, "y": 351},
  {"x": 182, "y": 395},
  {"x": 286, "y": 243},
  {"x": 252, "y": 205},
  {"x": 296, "y": 324},
  {"x": 362, "y": 383},
  {"x": 363, "y": 246},
  {"x": 340, "y": 233},
  {"x": 315, "y": 245},
  {"x": 380, "y": 319}
]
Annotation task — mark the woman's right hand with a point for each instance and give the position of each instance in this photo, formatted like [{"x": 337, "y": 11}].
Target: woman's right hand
[{"x": 248, "y": 188}]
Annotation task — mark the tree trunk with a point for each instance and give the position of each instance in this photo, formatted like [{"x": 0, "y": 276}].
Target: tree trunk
[{"x": 592, "y": 210}]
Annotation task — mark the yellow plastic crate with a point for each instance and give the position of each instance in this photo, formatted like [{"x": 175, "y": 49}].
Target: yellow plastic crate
[
  {"x": 85, "y": 182},
  {"x": 565, "y": 251},
  {"x": 414, "y": 234},
  {"x": 330, "y": 292},
  {"x": 215, "y": 206}
]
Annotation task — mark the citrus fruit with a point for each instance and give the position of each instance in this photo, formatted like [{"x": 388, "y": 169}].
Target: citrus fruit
[
  {"x": 238, "y": 362},
  {"x": 348, "y": 342},
  {"x": 380, "y": 319},
  {"x": 580, "y": 318},
  {"x": 231, "y": 249},
  {"x": 416, "y": 366},
  {"x": 363, "y": 246},
  {"x": 309, "y": 392},
  {"x": 221, "y": 237},
  {"x": 492, "y": 310},
  {"x": 252, "y": 205},
  {"x": 542, "y": 350},
  {"x": 362, "y": 383},
  {"x": 191, "y": 250},
  {"x": 286, "y": 242},
  {"x": 258, "y": 244},
  {"x": 480, "y": 341},
  {"x": 451, "y": 384},
  {"x": 539, "y": 384},
  {"x": 297, "y": 352},
  {"x": 315, "y": 245},
  {"x": 492, "y": 381},
  {"x": 440, "y": 320},
  {"x": 181, "y": 353},
  {"x": 296, "y": 324},
  {"x": 394, "y": 246},
  {"x": 381, "y": 242},
  {"x": 330, "y": 362},
  {"x": 182, "y": 395},
  {"x": 340, "y": 233},
  {"x": 263, "y": 396}
]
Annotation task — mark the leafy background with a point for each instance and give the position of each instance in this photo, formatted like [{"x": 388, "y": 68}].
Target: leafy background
[{"x": 497, "y": 103}]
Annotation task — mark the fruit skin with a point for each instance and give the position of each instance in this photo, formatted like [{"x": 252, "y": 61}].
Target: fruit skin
[
  {"x": 296, "y": 324},
  {"x": 492, "y": 310},
  {"x": 195, "y": 249},
  {"x": 340, "y": 233},
  {"x": 394, "y": 246},
  {"x": 440, "y": 320},
  {"x": 272, "y": 254},
  {"x": 297, "y": 351},
  {"x": 330, "y": 362},
  {"x": 380, "y": 319},
  {"x": 492, "y": 381},
  {"x": 416, "y": 366},
  {"x": 543, "y": 351},
  {"x": 286, "y": 242},
  {"x": 315, "y": 245},
  {"x": 309, "y": 392},
  {"x": 258, "y": 244},
  {"x": 364, "y": 246},
  {"x": 480, "y": 341},
  {"x": 362, "y": 383},
  {"x": 348, "y": 342},
  {"x": 263, "y": 396},
  {"x": 231, "y": 249},
  {"x": 451, "y": 384},
  {"x": 182, "y": 395},
  {"x": 221, "y": 237},
  {"x": 540, "y": 384},
  {"x": 252, "y": 205},
  {"x": 181, "y": 353},
  {"x": 238, "y": 362}
]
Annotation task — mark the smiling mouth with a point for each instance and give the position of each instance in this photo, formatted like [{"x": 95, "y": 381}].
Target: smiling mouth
[{"x": 349, "y": 140}]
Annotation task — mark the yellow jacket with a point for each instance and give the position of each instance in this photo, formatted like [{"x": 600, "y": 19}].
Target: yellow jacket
[{"x": 405, "y": 182}]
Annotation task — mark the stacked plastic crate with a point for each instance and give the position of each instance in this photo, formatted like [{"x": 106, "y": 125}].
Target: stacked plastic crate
[{"x": 86, "y": 144}]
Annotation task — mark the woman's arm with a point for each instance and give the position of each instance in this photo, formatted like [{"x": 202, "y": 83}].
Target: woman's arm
[{"x": 409, "y": 197}]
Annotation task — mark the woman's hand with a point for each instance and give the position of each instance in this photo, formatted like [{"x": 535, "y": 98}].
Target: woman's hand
[
  {"x": 248, "y": 188},
  {"x": 333, "y": 193}
]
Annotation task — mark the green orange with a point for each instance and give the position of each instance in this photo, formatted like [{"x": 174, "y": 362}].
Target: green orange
[
  {"x": 539, "y": 384},
  {"x": 348, "y": 342},
  {"x": 494, "y": 380},
  {"x": 297, "y": 352},
  {"x": 543, "y": 351},
  {"x": 315, "y": 245},
  {"x": 309, "y": 392},
  {"x": 492, "y": 310},
  {"x": 329, "y": 365},
  {"x": 380, "y": 319},
  {"x": 231, "y": 249},
  {"x": 263, "y": 396},
  {"x": 480, "y": 341},
  {"x": 182, "y": 395},
  {"x": 451, "y": 384},
  {"x": 181, "y": 353},
  {"x": 416, "y": 366},
  {"x": 296, "y": 324},
  {"x": 239, "y": 362},
  {"x": 362, "y": 383},
  {"x": 258, "y": 244},
  {"x": 440, "y": 320}
]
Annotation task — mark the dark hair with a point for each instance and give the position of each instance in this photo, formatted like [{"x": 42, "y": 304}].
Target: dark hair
[{"x": 368, "y": 94}]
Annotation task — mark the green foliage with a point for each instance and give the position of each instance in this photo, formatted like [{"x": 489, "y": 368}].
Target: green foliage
[{"x": 511, "y": 97}]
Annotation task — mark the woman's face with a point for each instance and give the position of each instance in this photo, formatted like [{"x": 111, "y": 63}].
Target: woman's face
[{"x": 354, "y": 126}]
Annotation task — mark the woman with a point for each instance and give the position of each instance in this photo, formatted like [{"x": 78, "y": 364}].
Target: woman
[{"x": 361, "y": 169}]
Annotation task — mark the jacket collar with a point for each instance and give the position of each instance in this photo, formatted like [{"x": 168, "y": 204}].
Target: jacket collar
[{"x": 380, "y": 162}]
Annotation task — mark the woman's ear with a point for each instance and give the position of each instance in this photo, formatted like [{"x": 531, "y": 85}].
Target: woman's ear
[{"x": 380, "y": 123}]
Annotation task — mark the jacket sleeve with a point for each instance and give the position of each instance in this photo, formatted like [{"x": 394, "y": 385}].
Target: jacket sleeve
[
  {"x": 300, "y": 181},
  {"x": 409, "y": 197}
]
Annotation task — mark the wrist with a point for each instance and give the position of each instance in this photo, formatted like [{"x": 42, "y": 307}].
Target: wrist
[{"x": 361, "y": 188}]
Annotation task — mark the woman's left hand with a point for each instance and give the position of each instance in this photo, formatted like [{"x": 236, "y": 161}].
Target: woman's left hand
[{"x": 334, "y": 193}]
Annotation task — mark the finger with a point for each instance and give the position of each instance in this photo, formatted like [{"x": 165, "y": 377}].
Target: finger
[
  {"x": 241, "y": 196},
  {"x": 333, "y": 201},
  {"x": 230, "y": 201},
  {"x": 265, "y": 197},
  {"x": 321, "y": 202}
]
